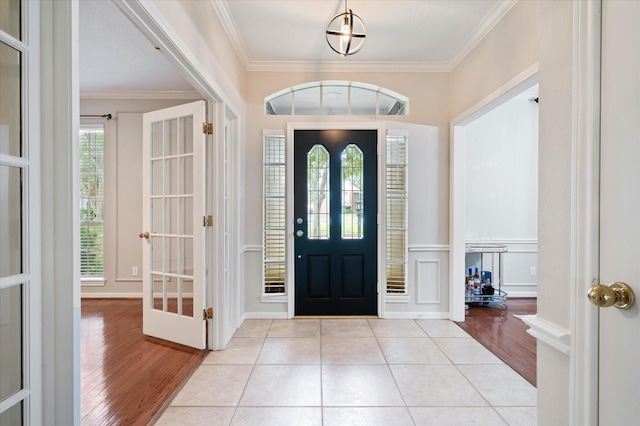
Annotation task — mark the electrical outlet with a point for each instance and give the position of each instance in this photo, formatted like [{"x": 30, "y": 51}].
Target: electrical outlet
[
  {"x": 533, "y": 271},
  {"x": 134, "y": 271}
]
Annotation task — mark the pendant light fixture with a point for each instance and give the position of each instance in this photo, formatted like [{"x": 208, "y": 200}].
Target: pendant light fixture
[{"x": 346, "y": 32}]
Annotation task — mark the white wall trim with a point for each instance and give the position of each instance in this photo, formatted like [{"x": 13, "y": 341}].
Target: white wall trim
[
  {"x": 251, "y": 249},
  {"x": 111, "y": 295},
  {"x": 399, "y": 298},
  {"x": 275, "y": 298},
  {"x": 92, "y": 282},
  {"x": 583, "y": 363},
  {"x": 420, "y": 248},
  {"x": 521, "y": 294},
  {"x": 422, "y": 298},
  {"x": 416, "y": 315},
  {"x": 507, "y": 241},
  {"x": 547, "y": 332},
  {"x": 128, "y": 95}
]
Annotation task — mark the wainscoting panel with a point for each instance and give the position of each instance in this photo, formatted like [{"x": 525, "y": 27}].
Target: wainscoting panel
[{"x": 428, "y": 281}]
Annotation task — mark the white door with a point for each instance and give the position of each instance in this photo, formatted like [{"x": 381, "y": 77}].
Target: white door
[
  {"x": 619, "y": 363},
  {"x": 173, "y": 233}
]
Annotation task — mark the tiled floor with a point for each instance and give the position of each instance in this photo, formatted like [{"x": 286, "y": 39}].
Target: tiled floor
[{"x": 353, "y": 372}]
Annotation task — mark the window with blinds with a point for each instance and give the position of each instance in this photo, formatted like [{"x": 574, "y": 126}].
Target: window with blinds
[
  {"x": 396, "y": 199},
  {"x": 91, "y": 201},
  {"x": 274, "y": 214}
]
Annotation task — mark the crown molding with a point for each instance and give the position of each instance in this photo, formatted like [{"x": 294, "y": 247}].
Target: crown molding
[
  {"x": 496, "y": 14},
  {"x": 222, "y": 10},
  {"x": 230, "y": 28},
  {"x": 351, "y": 66},
  {"x": 141, "y": 95}
]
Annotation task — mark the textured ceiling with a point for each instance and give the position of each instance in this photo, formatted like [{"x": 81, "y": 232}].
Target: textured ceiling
[
  {"x": 402, "y": 35},
  {"x": 116, "y": 57}
]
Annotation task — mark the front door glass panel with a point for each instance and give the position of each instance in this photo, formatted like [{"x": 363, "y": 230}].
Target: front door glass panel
[
  {"x": 318, "y": 193},
  {"x": 352, "y": 192}
]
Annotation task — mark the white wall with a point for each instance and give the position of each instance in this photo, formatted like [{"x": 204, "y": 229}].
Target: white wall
[
  {"x": 123, "y": 191},
  {"x": 501, "y": 191}
]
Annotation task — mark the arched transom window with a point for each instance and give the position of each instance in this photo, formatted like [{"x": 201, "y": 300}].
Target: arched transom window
[{"x": 336, "y": 98}]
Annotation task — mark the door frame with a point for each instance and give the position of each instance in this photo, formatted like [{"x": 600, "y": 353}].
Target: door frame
[
  {"x": 585, "y": 177},
  {"x": 224, "y": 102},
  {"x": 518, "y": 84},
  {"x": 289, "y": 216}
]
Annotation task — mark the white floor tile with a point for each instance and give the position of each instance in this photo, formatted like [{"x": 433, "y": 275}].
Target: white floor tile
[
  {"x": 435, "y": 386},
  {"x": 240, "y": 350},
  {"x": 359, "y": 386},
  {"x": 277, "y": 416},
  {"x": 341, "y": 372},
  {"x": 369, "y": 416},
  {"x": 396, "y": 328},
  {"x": 283, "y": 386},
  {"x": 287, "y": 350},
  {"x": 411, "y": 350},
  {"x": 345, "y": 328},
  {"x": 295, "y": 328},
  {"x": 351, "y": 350},
  {"x": 466, "y": 350},
  {"x": 253, "y": 328},
  {"x": 193, "y": 416},
  {"x": 519, "y": 416},
  {"x": 456, "y": 416},
  {"x": 501, "y": 385},
  {"x": 441, "y": 328},
  {"x": 223, "y": 383}
]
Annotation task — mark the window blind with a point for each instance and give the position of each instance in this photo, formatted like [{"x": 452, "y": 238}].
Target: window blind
[
  {"x": 396, "y": 200},
  {"x": 274, "y": 214}
]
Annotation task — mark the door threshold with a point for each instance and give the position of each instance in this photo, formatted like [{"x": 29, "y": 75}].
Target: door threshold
[{"x": 335, "y": 317}]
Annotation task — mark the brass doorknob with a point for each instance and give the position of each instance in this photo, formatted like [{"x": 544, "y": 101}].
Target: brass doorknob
[
  {"x": 617, "y": 294},
  {"x": 144, "y": 235}
]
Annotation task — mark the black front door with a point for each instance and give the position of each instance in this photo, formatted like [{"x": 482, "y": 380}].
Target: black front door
[{"x": 335, "y": 226}]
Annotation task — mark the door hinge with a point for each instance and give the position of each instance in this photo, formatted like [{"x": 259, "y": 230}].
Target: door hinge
[
  {"x": 207, "y": 128},
  {"x": 207, "y": 313},
  {"x": 207, "y": 221}
]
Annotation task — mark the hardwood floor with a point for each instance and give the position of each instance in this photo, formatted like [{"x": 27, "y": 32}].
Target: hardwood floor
[
  {"x": 126, "y": 377},
  {"x": 504, "y": 335}
]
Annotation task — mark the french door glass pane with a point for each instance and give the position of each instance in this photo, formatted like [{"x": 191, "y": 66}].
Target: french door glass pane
[
  {"x": 186, "y": 135},
  {"x": 318, "y": 193},
  {"x": 10, "y": 101},
  {"x": 13, "y": 416},
  {"x": 157, "y": 138},
  {"x": 11, "y": 244},
  {"x": 352, "y": 192},
  {"x": 10, "y": 20},
  {"x": 171, "y": 137},
  {"x": 11, "y": 342}
]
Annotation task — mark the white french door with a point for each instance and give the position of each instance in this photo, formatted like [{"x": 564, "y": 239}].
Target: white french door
[{"x": 173, "y": 234}]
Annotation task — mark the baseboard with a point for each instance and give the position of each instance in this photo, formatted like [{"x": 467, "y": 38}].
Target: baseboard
[
  {"x": 522, "y": 294},
  {"x": 102, "y": 295}
]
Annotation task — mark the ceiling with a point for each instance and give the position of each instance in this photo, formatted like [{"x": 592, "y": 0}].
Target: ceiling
[{"x": 402, "y": 35}]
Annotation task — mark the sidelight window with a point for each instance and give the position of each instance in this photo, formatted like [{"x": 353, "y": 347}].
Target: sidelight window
[
  {"x": 396, "y": 199},
  {"x": 274, "y": 214}
]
